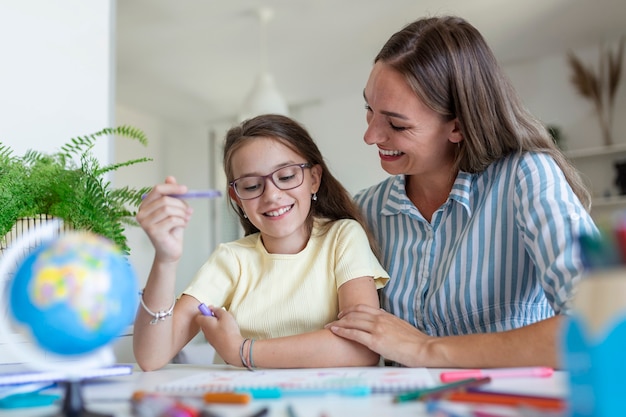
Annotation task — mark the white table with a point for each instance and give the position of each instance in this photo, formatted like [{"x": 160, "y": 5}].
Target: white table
[{"x": 112, "y": 395}]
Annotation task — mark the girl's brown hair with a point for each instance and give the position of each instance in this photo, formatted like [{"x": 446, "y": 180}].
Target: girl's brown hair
[{"x": 333, "y": 202}]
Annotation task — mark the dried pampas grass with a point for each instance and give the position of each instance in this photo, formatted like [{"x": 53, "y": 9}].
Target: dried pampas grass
[{"x": 600, "y": 87}]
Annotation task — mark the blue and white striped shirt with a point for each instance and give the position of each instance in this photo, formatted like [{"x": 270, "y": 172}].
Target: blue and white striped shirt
[{"x": 498, "y": 254}]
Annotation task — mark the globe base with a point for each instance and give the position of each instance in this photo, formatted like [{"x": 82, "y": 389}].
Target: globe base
[{"x": 73, "y": 402}]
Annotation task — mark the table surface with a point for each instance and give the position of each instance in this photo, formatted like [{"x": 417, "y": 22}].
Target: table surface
[{"x": 112, "y": 395}]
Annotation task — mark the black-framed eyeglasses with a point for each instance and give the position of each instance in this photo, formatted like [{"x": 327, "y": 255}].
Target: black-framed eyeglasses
[{"x": 284, "y": 178}]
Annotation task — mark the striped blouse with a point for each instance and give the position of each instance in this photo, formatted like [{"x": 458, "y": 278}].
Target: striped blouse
[{"x": 499, "y": 254}]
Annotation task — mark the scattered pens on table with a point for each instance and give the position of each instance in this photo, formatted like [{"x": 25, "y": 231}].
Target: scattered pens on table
[
  {"x": 194, "y": 194},
  {"x": 438, "y": 391},
  {"x": 535, "y": 371}
]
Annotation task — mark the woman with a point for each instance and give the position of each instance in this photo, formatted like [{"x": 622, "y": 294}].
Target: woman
[{"x": 480, "y": 220}]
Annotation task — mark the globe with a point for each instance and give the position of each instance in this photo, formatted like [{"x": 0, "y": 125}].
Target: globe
[
  {"x": 70, "y": 295},
  {"x": 74, "y": 294}
]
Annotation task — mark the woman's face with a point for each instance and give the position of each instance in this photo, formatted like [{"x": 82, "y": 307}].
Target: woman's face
[
  {"x": 411, "y": 138},
  {"x": 280, "y": 215}
]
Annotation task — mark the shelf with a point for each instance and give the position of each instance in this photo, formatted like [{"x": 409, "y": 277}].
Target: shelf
[{"x": 597, "y": 151}]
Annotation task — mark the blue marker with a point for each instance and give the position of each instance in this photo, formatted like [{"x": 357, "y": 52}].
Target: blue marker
[
  {"x": 194, "y": 194},
  {"x": 277, "y": 392}
]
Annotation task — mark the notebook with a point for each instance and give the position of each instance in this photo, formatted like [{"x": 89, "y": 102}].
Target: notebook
[
  {"x": 17, "y": 374},
  {"x": 377, "y": 379}
]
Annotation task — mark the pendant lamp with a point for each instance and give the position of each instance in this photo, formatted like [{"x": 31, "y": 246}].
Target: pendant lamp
[{"x": 264, "y": 96}]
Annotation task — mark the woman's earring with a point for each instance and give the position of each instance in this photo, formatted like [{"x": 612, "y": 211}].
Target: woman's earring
[
  {"x": 314, "y": 197},
  {"x": 245, "y": 216}
]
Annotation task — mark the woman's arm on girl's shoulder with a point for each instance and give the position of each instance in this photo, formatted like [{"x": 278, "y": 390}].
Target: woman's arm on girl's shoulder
[{"x": 397, "y": 340}]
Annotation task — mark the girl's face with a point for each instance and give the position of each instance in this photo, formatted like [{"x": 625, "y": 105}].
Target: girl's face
[
  {"x": 280, "y": 215},
  {"x": 412, "y": 139}
]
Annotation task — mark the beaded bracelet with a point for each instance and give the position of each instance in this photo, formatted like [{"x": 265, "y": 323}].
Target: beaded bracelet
[{"x": 159, "y": 315}]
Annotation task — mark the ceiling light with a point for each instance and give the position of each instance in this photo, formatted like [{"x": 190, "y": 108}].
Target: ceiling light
[{"x": 264, "y": 96}]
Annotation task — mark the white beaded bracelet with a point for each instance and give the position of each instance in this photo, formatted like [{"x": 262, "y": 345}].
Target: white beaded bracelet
[{"x": 159, "y": 315}]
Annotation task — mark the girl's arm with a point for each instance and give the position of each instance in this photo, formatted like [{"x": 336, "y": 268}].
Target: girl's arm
[
  {"x": 315, "y": 349},
  {"x": 163, "y": 218}
]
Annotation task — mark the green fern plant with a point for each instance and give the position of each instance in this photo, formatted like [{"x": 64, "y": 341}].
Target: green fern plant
[{"x": 70, "y": 184}]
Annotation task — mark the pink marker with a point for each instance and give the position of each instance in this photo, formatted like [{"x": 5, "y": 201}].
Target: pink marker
[{"x": 536, "y": 371}]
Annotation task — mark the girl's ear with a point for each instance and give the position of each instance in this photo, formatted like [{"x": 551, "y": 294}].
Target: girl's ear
[
  {"x": 233, "y": 196},
  {"x": 316, "y": 178}
]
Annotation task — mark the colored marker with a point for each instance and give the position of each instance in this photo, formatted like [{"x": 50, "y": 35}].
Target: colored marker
[
  {"x": 226, "y": 398},
  {"x": 536, "y": 371},
  {"x": 276, "y": 392},
  {"x": 500, "y": 398},
  {"x": 291, "y": 412},
  {"x": 261, "y": 413},
  {"x": 442, "y": 390},
  {"x": 206, "y": 311},
  {"x": 194, "y": 194},
  {"x": 153, "y": 404}
]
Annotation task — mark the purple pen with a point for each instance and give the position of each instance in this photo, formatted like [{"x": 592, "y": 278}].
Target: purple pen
[
  {"x": 206, "y": 311},
  {"x": 194, "y": 194}
]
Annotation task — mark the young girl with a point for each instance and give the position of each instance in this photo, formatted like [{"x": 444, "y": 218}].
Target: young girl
[{"x": 305, "y": 257}]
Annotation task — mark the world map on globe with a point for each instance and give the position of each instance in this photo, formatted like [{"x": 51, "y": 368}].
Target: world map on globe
[{"x": 74, "y": 293}]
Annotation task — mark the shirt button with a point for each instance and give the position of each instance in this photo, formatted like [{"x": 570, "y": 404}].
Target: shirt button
[{"x": 574, "y": 216}]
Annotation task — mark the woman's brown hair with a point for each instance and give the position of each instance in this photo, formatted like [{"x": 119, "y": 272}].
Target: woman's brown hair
[{"x": 453, "y": 71}]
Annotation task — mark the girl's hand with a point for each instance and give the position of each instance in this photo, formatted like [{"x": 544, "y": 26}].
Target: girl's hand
[
  {"x": 164, "y": 219},
  {"x": 222, "y": 332}
]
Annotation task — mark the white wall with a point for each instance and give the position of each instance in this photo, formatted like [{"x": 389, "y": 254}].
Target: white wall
[
  {"x": 56, "y": 78},
  {"x": 546, "y": 89},
  {"x": 183, "y": 152}
]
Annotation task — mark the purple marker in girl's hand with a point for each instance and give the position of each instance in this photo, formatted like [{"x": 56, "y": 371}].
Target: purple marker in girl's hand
[{"x": 206, "y": 311}]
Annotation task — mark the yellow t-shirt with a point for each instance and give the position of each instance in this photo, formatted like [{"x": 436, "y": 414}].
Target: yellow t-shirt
[{"x": 274, "y": 295}]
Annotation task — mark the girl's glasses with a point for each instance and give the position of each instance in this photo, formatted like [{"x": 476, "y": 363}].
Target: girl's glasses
[{"x": 284, "y": 178}]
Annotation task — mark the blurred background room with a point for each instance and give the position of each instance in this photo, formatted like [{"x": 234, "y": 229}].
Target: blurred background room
[{"x": 184, "y": 72}]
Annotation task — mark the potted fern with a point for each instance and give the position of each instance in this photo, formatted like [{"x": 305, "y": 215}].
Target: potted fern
[{"x": 70, "y": 184}]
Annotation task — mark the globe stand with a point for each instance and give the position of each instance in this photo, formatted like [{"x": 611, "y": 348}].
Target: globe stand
[{"x": 73, "y": 402}]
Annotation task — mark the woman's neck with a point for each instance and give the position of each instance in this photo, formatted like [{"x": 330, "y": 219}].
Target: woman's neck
[{"x": 429, "y": 193}]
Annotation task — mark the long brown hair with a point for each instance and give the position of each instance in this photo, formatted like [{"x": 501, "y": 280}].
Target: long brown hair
[
  {"x": 453, "y": 71},
  {"x": 333, "y": 202}
]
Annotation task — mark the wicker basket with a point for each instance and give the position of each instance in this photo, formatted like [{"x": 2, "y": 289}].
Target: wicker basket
[{"x": 24, "y": 224}]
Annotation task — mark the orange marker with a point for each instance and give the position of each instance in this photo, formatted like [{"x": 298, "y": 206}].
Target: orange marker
[
  {"x": 486, "y": 397},
  {"x": 227, "y": 398}
]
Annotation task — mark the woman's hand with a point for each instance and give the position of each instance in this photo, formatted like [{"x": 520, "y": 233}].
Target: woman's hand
[
  {"x": 383, "y": 333},
  {"x": 397, "y": 340},
  {"x": 222, "y": 332},
  {"x": 164, "y": 219}
]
